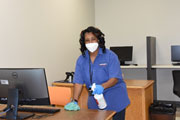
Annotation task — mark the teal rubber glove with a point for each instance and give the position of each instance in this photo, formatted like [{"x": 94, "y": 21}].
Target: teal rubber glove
[
  {"x": 72, "y": 106},
  {"x": 98, "y": 89}
]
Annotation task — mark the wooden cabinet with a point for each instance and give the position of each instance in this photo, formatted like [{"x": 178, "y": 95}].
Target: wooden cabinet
[{"x": 140, "y": 93}]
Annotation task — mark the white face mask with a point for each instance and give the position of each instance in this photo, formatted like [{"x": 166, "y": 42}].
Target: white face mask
[{"x": 92, "y": 47}]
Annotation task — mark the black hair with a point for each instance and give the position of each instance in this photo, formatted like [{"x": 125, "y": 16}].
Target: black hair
[{"x": 99, "y": 35}]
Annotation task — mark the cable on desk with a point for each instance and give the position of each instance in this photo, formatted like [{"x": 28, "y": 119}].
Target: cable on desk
[
  {"x": 41, "y": 116},
  {"x": 5, "y": 111}
]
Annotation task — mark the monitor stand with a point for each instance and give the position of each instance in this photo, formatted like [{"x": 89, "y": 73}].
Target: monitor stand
[
  {"x": 123, "y": 63},
  {"x": 178, "y": 63},
  {"x": 12, "y": 104}
]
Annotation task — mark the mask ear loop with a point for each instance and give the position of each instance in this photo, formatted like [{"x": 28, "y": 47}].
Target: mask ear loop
[{"x": 100, "y": 38}]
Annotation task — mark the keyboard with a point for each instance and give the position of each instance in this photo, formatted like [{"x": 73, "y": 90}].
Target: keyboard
[{"x": 39, "y": 110}]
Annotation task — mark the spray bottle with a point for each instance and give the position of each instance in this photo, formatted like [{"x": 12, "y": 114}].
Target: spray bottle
[{"x": 99, "y": 98}]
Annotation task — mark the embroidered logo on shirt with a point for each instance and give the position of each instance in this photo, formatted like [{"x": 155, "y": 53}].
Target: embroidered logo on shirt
[{"x": 103, "y": 64}]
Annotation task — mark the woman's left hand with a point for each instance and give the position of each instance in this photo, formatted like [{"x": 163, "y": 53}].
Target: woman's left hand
[{"x": 98, "y": 89}]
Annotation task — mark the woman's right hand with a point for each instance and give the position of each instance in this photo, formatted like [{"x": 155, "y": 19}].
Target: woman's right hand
[{"x": 72, "y": 106}]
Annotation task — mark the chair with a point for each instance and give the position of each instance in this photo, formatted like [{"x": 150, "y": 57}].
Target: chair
[
  {"x": 59, "y": 96},
  {"x": 176, "y": 79}
]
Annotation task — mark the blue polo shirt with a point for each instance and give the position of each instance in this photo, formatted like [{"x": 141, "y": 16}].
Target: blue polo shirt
[{"x": 105, "y": 66}]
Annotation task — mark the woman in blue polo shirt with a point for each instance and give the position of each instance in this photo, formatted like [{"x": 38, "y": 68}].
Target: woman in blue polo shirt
[{"x": 101, "y": 66}]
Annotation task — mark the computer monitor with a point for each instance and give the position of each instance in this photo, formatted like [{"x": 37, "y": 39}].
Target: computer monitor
[
  {"x": 175, "y": 54},
  {"x": 30, "y": 83},
  {"x": 124, "y": 53}
]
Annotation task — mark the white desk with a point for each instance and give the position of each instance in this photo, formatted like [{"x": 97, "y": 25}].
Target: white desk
[
  {"x": 133, "y": 66},
  {"x": 134, "y": 72},
  {"x": 164, "y": 82},
  {"x": 166, "y": 66}
]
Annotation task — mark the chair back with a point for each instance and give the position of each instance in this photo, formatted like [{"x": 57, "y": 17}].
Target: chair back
[
  {"x": 59, "y": 95},
  {"x": 176, "y": 80}
]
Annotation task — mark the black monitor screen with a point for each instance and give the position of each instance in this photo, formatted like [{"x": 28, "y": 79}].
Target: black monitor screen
[
  {"x": 124, "y": 53},
  {"x": 175, "y": 53},
  {"x": 30, "y": 82}
]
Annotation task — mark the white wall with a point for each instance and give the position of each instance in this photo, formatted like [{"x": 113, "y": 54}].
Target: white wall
[
  {"x": 43, "y": 33},
  {"x": 128, "y": 22}
]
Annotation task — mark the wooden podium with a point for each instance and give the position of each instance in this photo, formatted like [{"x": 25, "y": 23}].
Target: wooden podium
[{"x": 140, "y": 93}]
